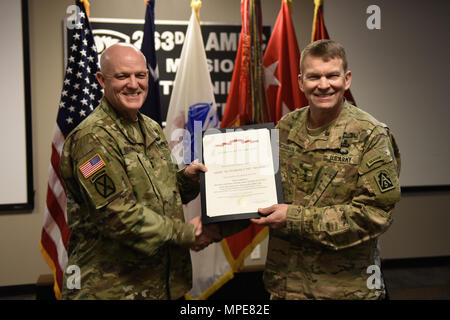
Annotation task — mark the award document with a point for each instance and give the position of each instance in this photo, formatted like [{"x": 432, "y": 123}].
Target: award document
[{"x": 242, "y": 172}]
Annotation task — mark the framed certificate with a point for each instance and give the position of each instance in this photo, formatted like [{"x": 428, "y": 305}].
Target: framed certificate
[{"x": 243, "y": 172}]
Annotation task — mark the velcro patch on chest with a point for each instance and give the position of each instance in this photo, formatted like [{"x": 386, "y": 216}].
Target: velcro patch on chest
[{"x": 92, "y": 165}]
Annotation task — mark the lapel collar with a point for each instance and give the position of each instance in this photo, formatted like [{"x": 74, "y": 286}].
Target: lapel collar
[
  {"x": 121, "y": 122},
  {"x": 149, "y": 133},
  {"x": 330, "y": 140},
  {"x": 298, "y": 133}
]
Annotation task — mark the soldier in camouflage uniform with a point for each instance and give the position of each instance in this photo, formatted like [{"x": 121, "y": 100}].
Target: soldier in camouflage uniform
[
  {"x": 128, "y": 235},
  {"x": 340, "y": 174}
]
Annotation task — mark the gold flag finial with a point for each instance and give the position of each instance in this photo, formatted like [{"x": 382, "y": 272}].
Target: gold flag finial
[
  {"x": 289, "y": 3},
  {"x": 196, "y": 5},
  {"x": 317, "y": 4},
  {"x": 86, "y": 6}
]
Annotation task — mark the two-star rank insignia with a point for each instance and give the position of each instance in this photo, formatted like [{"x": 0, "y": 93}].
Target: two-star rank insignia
[
  {"x": 104, "y": 185},
  {"x": 384, "y": 182}
]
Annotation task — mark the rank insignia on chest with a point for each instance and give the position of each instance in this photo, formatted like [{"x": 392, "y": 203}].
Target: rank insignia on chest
[
  {"x": 384, "y": 181},
  {"x": 349, "y": 135},
  {"x": 346, "y": 138},
  {"x": 92, "y": 166},
  {"x": 104, "y": 185}
]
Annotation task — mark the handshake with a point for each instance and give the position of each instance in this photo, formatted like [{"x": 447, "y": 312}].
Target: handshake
[{"x": 204, "y": 235}]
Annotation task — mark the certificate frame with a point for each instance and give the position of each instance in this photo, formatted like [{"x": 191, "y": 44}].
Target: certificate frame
[{"x": 207, "y": 219}]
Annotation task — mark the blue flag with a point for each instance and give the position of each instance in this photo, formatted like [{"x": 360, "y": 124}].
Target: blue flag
[
  {"x": 152, "y": 105},
  {"x": 201, "y": 116}
]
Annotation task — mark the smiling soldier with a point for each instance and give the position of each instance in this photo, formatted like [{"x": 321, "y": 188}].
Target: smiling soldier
[
  {"x": 124, "y": 195},
  {"x": 340, "y": 173}
]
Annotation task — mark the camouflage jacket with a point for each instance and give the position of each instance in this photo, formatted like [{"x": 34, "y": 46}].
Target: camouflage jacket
[
  {"x": 124, "y": 210},
  {"x": 341, "y": 187}
]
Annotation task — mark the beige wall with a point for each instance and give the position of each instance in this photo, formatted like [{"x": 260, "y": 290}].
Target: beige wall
[{"x": 421, "y": 219}]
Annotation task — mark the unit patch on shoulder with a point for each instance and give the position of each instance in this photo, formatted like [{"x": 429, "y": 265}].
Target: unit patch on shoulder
[
  {"x": 384, "y": 181},
  {"x": 92, "y": 166},
  {"x": 104, "y": 185}
]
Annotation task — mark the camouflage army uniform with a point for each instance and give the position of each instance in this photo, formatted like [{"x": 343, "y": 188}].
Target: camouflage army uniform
[
  {"x": 128, "y": 235},
  {"x": 341, "y": 186}
]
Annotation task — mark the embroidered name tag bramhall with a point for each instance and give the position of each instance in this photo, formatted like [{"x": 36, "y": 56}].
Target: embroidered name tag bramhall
[
  {"x": 337, "y": 158},
  {"x": 92, "y": 166}
]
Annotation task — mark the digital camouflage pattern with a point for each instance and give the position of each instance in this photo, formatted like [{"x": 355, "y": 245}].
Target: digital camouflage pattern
[
  {"x": 128, "y": 234},
  {"x": 341, "y": 187}
]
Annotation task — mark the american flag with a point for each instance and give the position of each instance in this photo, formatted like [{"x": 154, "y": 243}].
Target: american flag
[
  {"x": 81, "y": 93},
  {"x": 92, "y": 165}
]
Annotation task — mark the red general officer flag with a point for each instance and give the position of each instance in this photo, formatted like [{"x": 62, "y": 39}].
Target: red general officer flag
[
  {"x": 246, "y": 104},
  {"x": 282, "y": 66}
]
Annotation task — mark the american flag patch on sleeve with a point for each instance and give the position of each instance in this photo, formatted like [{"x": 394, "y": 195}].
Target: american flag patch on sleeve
[{"x": 92, "y": 166}]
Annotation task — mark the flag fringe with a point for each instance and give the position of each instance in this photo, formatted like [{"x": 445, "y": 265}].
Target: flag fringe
[
  {"x": 213, "y": 288},
  {"x": 238, "y": 263},
  {"x": 50, "y": 263}
]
